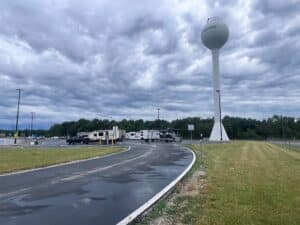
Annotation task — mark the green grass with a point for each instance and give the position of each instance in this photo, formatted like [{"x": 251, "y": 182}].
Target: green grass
[
  {"x": 247, "y": 183},
  {"x": 17, "y": 158}
]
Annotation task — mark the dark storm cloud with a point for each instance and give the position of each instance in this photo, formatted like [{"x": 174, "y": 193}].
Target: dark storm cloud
[
  {"x": 279, "y": 7},
  {"x": 116, "y": 59}
]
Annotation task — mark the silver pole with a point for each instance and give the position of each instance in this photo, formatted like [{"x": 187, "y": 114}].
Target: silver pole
[
  {"x": 31, "y": 125},
  {"x": 17, "y": 120}
]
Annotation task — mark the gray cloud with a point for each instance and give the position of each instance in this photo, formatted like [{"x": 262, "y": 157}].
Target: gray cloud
[{"x": 90, "y": 59}]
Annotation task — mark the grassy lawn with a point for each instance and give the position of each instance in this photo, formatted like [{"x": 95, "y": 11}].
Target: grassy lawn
[
  {"x": 13, "y": 159},
  {"x": 245, "y": 183}
]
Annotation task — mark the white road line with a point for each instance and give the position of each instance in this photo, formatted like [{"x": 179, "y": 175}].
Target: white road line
[
  {"x": 62, "y": 164},
  {"x": 154, "y": 199},
  {"x": 9, "y": 194},
  {"x": 104, "y": 168}
]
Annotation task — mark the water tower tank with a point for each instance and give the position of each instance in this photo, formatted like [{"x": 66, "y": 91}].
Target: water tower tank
[{"x": 215, "y": 33}]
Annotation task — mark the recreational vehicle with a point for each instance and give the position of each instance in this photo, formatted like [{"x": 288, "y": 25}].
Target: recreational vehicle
[
  {"x": 149, "y": 135},
  {"x": 99, "y": 136},
  {"x": 133, "y": 136}
]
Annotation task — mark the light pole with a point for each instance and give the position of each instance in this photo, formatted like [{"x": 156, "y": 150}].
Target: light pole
[
  {"x": 17, "y": 120},
  {"x": 31, "y": 125},
  {"x": 220, "y": 114}
]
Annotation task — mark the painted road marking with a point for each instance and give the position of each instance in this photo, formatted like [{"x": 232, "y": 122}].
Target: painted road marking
[
  {"x": 10, "y": 194},
  {"x": 104, "y": 168}
]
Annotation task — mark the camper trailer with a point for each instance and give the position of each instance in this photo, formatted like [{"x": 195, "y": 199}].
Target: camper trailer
[
  {"x": 99, "y": 136},
  {"x": 107, "y": 136},
  {"x": 149, "y": 135},
  {"x": 144, "y": 135},
  {"x": 168, "y": 135},
  {"x": 133, "y": 135}
]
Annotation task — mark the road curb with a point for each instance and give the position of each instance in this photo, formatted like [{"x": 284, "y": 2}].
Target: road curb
[
  {"x": 63, "y": 164},
  {"x": 132, "y": 216}
]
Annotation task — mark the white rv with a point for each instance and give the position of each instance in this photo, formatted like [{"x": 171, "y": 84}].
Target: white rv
[
  {"x": 108, "y": 135},
  {"x": 101, "y": 136},
  {"x": 133, "y": 136},
  {"x": 149, "y": 135}
]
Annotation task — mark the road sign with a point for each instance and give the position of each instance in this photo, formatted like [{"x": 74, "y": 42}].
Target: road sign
[{"x": 191, "y": 127}]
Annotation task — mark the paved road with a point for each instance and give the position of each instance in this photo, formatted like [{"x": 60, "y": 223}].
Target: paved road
[
  {"x": 101, "y": 191},
  {"x": 293, "y": 143}
]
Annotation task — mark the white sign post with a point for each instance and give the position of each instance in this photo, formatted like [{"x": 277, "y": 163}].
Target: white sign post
[{"x": 191, "y": 128}]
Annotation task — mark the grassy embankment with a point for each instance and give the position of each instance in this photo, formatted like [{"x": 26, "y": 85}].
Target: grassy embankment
[
  {"x": 245, "y": 183},
  {"x": 14, "y": 159}
]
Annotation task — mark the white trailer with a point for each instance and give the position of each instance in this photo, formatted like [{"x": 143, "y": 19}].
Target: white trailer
[
  {"x": 110, "y": 135},
  {"x": 133, "y": 136},
  {"x": 149, "y": 135},
  {"x": 103, "y": 136}
]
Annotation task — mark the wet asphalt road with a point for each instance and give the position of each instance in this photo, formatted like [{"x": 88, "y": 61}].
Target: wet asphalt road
[{"x": 101, "y": 191}]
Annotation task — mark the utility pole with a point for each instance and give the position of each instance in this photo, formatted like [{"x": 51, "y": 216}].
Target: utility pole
[
  {"x": 220, "y": 112},
  {"x": 31, "y": 125},
  {"x": 158, "y": 113},
  {"x": 17, "y": 120}
]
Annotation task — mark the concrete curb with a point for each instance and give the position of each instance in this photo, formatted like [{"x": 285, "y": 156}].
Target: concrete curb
[
  {"x": 158, "y": 196},
  {"x": 62, "y": 164}
]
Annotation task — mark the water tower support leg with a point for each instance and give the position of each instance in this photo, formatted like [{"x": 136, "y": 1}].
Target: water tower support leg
[{"x": 218, "y": 132}]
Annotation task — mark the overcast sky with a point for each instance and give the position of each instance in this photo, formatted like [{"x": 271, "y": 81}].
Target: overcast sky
[{"x": 121, "y": 59}]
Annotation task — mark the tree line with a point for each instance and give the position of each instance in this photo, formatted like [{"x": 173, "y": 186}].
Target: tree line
[{"x": 277, "y": 127}]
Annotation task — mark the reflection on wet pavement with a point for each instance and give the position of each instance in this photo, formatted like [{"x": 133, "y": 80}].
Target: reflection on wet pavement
[{"x": 97, "y": 198}]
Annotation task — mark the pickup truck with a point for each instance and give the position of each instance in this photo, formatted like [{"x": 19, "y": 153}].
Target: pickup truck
[
  {"x": 78, "y": 140},
  {"x": 170, "y": 135}
]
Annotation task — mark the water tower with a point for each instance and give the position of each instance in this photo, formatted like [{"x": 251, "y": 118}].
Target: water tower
[{"x": 214, "y": 36}]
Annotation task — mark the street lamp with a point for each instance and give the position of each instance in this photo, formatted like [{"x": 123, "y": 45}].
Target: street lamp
[
  {"x": 220, "y": 113},
  {"x": 17, "y": 120},
  {"x": 31, "y": 125}
]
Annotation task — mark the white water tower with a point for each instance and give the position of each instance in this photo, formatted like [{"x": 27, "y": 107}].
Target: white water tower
[{"x": 214, "y": 36}]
